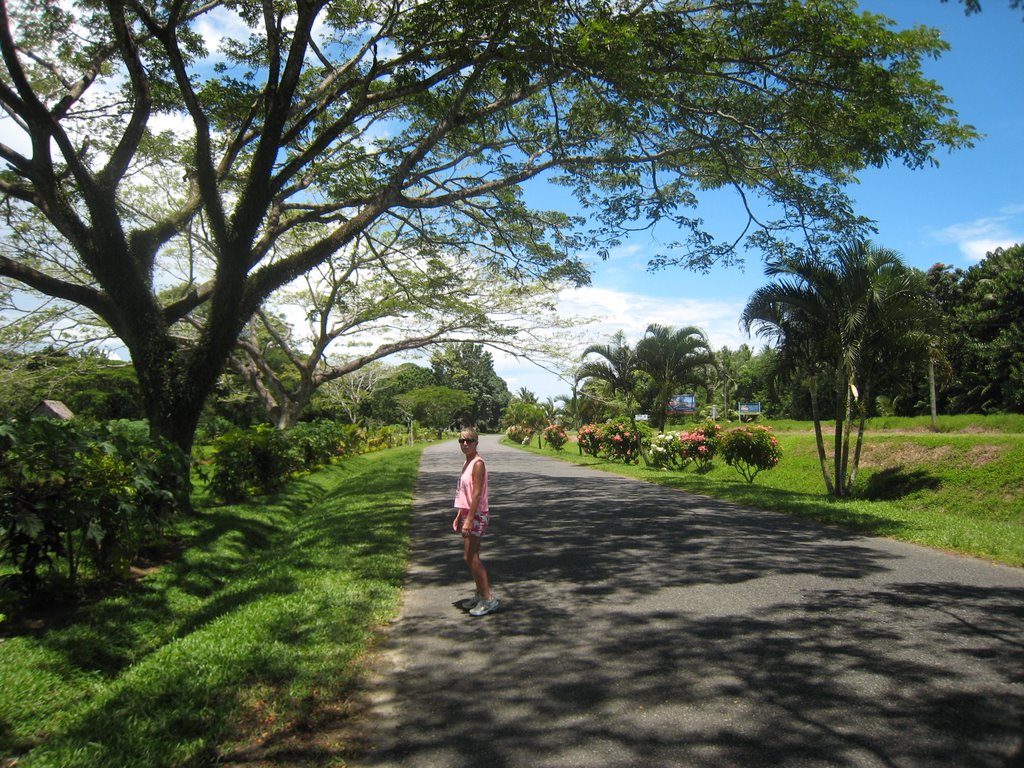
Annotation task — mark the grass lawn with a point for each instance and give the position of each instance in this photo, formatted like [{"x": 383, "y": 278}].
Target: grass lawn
[
  {"x": 243, "y": 649},
  {"x": 961, "y": 491}
]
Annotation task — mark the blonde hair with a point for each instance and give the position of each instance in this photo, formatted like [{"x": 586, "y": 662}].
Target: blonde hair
[{"x": 469, "y": 432}]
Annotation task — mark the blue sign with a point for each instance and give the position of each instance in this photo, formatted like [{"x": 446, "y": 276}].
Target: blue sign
[
  {"x": 682, "y": 404},
  {"x": 748, "y": 408}
]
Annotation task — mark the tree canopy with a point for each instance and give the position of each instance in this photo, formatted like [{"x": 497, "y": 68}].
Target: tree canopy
[
  {"x": 310, "y": 123},
  {"x": 983, "y": 339}
]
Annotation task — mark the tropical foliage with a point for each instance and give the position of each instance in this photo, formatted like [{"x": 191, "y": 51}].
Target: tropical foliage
[
  {"x": 676, "y": 360},
  {"x": 983, "y": 333},
  {"x": 856, "y": 318},
  {"x": 73, "y": 493}
]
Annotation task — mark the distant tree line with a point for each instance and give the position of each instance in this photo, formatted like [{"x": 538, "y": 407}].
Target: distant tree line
[{"x": 379, "y": 394}]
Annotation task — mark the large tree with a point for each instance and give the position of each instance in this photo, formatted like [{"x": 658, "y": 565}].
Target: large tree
[
  {"x": 616, "y": 369},
  {"x": 983, "y": 338},
  {"x": 469, "y": 368},
  {"x": 318, "y": 119},
  {"x": 373, "y": 304}
]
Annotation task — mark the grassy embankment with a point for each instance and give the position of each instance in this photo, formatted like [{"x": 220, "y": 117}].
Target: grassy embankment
[
  {"x": 960, "y": 489},
  {"x": 243, "y": 648}
]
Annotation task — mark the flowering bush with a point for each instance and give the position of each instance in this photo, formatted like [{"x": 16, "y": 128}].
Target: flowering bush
[
  {"x": 519, "y": 433},
  {"x": 700, "y": 445},
  {"x": 622, "y": 441},
  {"x": 554, "y": 435},
  {"x": 665, "y": 451},
  {"x": 589, "y": 439},
  {"x": 751, "y": 449}
]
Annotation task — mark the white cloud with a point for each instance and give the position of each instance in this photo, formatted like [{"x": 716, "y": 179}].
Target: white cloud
[
  {"x": 631, "y": 313},
  {"x": 975, "y": 239},
  {"x": 218, "y": 25}
]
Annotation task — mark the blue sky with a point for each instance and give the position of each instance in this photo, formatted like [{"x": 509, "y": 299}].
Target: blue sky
[{"x": 971, "y": 204}]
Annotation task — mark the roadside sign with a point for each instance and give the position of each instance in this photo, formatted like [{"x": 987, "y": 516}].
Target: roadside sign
[{"x": 682, "y": 404}]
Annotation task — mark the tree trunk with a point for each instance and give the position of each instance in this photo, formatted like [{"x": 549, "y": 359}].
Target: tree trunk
[
  {"x": 860, "y": 435},
  {"x": 818, "y": 437},
  {"x": 841, "y": 407},
  {"x": 175, "y": 383},
  {"x": 931, "y": 392},
  {"x": 847, "y": 429}
]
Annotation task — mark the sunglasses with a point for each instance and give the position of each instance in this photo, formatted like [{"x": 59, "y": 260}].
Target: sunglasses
[{"x": 464, "y": 440}]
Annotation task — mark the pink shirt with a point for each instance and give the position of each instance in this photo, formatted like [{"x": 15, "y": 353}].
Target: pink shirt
[{"x": 464, "y": 493}]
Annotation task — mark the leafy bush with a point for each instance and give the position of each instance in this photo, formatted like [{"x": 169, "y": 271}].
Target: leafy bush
[
  {"x": 589, "y": 439},
  {"x": 391, "y": 436},
  {"x": 519, "y": 433},
  {"x": 555, "y": 436},
  {"x": 699, "y": 445},
  {"x": 622, "y": 441},
  {"x": 751, "y": 449},
  {"x": 316, "y": 443},
  {"x": 249, "y": 462},
  {"x": 74, "y": 492},
  {"x": 665, "y": 451}
]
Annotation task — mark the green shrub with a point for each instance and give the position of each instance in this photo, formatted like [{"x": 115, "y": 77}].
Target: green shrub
[
  {"x": 248, "y": 462},
  {"x": 519, "y": 433},
  {"x": 589, "y": 439},
  {"x": 665, "y": 451},
  {"x": 555, "y": 436},
  {"x": 391, "y": 436},
  {"x": 316, "y": 443},
  {"x": 623, "y": 441},
  {"x": 74, "y": 492},
  {"x": 700, "y": 445},
  {"x": 751, "y": 449}
]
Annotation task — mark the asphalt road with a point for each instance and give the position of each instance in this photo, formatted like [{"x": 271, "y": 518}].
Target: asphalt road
[{"x": 642, "y": 626}]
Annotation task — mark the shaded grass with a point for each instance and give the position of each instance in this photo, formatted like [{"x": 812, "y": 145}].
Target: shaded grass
[
  {"x": 255, "y": 631},
  {"x": 958, "y": 491}
]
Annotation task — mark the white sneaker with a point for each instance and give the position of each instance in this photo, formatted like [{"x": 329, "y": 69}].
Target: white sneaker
[
  {"x": 484, "y": 606},
  {"x": 472, "y": 602}
]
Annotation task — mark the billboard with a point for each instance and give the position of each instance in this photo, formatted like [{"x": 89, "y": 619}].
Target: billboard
[
  {"x": 748, "y": 409},
  {"x": 680, "y": 404}
]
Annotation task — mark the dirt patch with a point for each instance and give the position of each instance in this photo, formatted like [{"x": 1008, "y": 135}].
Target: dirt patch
[
  {"x": 893, "y": 454},
  {"x": 983, "y": 454}
]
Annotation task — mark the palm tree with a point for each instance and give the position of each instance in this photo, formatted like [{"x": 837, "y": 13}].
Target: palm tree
[
  {"x": 674, "y": 358},
  {"x": 853, "y": 315},
  {"x": 617, "y": 369},
  {"x": 788, "y": 314},
  {"x": 526, "y": 396}
]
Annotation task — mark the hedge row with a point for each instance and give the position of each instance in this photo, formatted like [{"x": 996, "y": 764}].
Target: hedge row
[
  {"x": 258, "y": 460},
  {"x": 750, "y": 449}
]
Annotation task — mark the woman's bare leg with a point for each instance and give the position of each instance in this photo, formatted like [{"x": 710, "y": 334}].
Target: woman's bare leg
[{"x": 476, "y": 566}]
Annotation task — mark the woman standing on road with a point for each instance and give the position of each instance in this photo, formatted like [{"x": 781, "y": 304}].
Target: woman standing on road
[{"x": 472, "y": 518}]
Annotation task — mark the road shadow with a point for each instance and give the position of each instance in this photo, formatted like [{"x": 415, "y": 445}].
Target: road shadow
[{"x": 644, "y": 626}]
